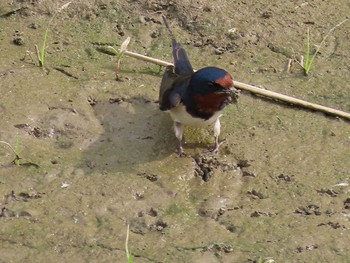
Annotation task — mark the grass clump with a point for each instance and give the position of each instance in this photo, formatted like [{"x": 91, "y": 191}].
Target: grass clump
[
  {"x": 42, "y": 52},
  {"x": 18, "y": 161},
  {"x": 309, "y": 58}
]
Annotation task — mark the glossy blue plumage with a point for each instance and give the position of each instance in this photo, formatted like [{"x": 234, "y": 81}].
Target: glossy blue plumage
[
  {"x": 206, "y": 75},
  {"x": 193, "y": 98}
]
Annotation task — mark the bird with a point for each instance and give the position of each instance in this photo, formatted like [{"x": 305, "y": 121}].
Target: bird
[{"x": 194, "y": 98}]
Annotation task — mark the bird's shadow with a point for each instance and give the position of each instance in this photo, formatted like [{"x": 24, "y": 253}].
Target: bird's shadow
[{"x": 134, "y": 131}]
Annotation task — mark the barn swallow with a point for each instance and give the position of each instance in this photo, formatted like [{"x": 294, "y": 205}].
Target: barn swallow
[{"x": 194, "y": 98}]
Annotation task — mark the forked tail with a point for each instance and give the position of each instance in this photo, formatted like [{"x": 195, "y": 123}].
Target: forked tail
[{"x": 181, "y": 61}]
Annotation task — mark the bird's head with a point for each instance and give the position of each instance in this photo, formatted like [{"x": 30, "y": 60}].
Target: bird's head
[
  {"x": 211, "y": 89},
  {"x": 211, "y": 80}
]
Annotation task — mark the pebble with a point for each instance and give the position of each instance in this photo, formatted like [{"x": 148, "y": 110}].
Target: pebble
[{"x": 19, "y": 41}]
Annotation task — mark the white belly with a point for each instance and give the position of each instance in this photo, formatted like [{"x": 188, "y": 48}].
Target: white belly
[{"x": 179, "y": 114}]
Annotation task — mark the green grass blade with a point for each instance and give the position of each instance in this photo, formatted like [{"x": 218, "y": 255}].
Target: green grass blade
[
  {"x": 307, "y": 63},
  {"x": 43, "y": 48},
  {"x": 312, "y": 60},
  {"x": 128, "y": 253}
]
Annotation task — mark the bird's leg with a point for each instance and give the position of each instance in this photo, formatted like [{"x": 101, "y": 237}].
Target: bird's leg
[
  {"x": 217, "y": 127},
  {"x": 217, "y": 145},
  {"x": 179, "y": 130}
]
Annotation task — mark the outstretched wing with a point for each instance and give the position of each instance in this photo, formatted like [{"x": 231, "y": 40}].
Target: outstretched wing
[{"x": 181, "y": 61}]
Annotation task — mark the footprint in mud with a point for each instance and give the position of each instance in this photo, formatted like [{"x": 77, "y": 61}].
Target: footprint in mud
[
  {"x": 306, "y": 248},
  {"x": 148, "y": 176},
  {"x": 214, "y": 208},
  {"x": 260, "y": 214},
  {"x": 147, "y": 221},
  {"x": 328, "y": 192},
  {"x": 244, "y": 166},
  {"x": 35, "y": 131},
  {"x": 215, "y": 248},
  {"x": 22, "y": 196},
  {"x": 159, "y": 225},
  {"x": 285, "y": 178},
  {"x": 256, "y": 194},
  {"x": 334, "y": 225},
  {"x": 5, "y": 212},
  {"x": 309, "y": 210}
]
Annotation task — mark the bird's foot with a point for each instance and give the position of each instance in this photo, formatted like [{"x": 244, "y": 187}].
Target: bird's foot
[
  {"x": 181, "y": 152},
  {"x": 216, "y": 148}
]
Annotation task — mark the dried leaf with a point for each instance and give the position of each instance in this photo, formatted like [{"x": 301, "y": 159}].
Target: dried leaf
[
  {"x": 64, "y": 6},
  {"x": 124, "y": 45}
]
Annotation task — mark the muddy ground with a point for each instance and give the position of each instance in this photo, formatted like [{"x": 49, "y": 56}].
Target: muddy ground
[{"x": 97, "y": 154}]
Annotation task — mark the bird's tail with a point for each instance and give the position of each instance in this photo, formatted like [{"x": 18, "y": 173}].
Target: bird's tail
[{"x": 181, "y": 61}]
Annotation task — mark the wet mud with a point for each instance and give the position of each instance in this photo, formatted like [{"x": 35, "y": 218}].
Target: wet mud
[{"x": 102, "y": 156}]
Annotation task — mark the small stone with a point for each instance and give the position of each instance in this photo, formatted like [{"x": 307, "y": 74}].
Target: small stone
[
  {"x": 219, "y": 51},
  {"x": 19, "y": 41},
  {"x": 152, "y": 212},
  {"x": 142, "y": 19},
  {"x": 267, "y": 14},
  {"x": 347, "y": 203},
  {"x": 155, "y": 34},
  {"x": 160, "y": 225},
  {"x": 207, "y": 9},
  {"x": 33, "y": 26}
]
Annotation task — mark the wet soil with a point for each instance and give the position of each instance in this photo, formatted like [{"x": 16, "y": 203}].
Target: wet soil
[{"x": 97, "y": 154}]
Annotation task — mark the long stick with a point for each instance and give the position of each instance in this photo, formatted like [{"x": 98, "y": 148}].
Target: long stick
[
  {"x": 294, "y": 101},
  {"x": 148, "y": 59},
  {"x": 256, "y": 90}
]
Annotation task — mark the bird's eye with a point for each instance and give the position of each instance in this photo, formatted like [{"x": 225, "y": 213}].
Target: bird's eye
[{"x": 212, "y": 84}]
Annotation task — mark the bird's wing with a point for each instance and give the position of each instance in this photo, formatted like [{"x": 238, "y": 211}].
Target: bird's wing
[
  {"x": 172, "y": 89},
  {"x": 165, "y": 88},
  {"x": 181, "y": 61}
]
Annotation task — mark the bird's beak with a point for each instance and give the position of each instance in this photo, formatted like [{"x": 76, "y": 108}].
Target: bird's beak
[
  {"x": 228, "y": 90},
  {"x": 234, "y": 94},
  {"x": 232, "y": 89}
]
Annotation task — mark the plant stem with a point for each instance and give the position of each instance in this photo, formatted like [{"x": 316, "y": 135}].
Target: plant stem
[
  {"x": 15, "y": 151},
  {"x": 128, "y": 254}
]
